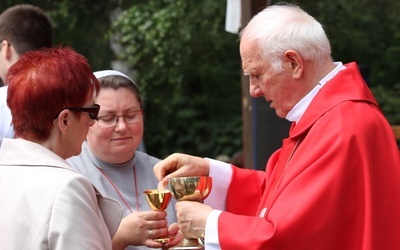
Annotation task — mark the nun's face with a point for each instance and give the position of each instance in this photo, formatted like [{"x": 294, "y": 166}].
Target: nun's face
[{"x": 118, "y": 132}]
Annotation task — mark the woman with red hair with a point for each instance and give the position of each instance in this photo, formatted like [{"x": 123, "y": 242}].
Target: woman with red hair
[{"x": 45, "y": 203}]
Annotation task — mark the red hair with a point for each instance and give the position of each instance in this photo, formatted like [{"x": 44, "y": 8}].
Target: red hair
[{"x": 43, "y": 83}]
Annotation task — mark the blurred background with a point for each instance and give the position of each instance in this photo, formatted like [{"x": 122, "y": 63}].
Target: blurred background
[{"x": 189, "y": 70}]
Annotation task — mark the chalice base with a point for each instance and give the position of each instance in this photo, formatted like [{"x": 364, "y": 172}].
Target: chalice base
[
  {"x": 164, "y": 239},
  {"x": 187, "y": 244}
]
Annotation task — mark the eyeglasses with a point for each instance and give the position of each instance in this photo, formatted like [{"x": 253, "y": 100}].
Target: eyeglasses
[
  {"x": 92, "y": 111},
  {"x": 112, "y": 120}
]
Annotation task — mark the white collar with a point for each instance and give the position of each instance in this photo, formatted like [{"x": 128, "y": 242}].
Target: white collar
[{"x": 298, "y": 110}]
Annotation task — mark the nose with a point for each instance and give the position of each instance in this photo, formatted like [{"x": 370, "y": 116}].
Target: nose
[
  {"x": 121, "y": 123},
  {"x": 254, "y": 89}
]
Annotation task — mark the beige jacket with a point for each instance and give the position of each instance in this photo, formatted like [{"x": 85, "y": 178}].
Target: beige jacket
[{"x": 45, "y": 204}]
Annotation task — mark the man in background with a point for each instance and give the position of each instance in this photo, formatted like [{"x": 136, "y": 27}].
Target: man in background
[{"x": 23, "y": 28}]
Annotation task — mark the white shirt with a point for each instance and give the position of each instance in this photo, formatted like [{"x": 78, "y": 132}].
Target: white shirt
[
  {"x": 6, "y": 129},
  {"x": 298, "y": 110}
]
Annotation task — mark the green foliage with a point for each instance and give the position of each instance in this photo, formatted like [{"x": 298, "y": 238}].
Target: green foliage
[
  {"x": 389, "y": 101},
  {"x": 83, "y": 25},
  {"x": 188, "y": 71}
]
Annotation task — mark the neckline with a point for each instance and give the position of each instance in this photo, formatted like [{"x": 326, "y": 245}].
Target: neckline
[
  {"x": 103, "y": 172},
  {"x": 103, "y": 167}
]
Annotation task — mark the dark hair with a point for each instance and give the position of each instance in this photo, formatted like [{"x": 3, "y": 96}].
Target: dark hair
[
  {"x": 44, "y": 82},
  {"x": 26, "y": 27},
  {"x": 117, "y": 81}
]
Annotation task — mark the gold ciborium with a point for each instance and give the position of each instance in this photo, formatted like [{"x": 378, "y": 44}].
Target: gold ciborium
[
  {"x": 195, "y": 188},
  {"x": 158, "y": 201}
]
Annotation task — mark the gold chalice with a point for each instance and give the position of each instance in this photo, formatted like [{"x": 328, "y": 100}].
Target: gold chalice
[
  {"x": 190, "y": 189},
  {"x": 158, "y": 201}
]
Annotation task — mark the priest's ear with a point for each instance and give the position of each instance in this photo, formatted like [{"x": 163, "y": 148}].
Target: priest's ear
[{"x": 296, "y": 63}]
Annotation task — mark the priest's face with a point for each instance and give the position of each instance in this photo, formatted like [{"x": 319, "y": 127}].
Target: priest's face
[{"x": 280, "y": 89}]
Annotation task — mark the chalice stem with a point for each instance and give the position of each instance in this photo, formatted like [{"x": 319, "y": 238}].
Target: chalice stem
[{"x": 158, "y": 201}]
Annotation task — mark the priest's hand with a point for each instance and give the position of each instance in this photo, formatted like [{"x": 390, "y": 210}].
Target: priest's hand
[
  {"x": 192, "y": 218},
  {"x": 180, "y": 165}
]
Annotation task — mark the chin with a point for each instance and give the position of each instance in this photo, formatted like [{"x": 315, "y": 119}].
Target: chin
[
  {"x": 280, "y": 114},
  {"x": 125, "y": 150}
]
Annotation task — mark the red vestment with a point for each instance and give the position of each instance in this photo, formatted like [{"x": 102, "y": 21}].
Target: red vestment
[{"x": 339, "y": 190}]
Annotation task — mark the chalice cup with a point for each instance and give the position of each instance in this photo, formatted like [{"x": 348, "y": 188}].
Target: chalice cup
[
  {"x": 158, "y": 201},
  {"x": 195, "y": 188}
]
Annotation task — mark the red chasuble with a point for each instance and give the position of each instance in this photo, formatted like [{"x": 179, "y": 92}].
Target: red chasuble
[{"x": 338, "y": 188}]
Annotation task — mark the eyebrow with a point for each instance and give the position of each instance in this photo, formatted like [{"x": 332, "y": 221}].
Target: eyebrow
[
  {"x": 248, "y": 68},
  {"x": 250, "y": 71}
]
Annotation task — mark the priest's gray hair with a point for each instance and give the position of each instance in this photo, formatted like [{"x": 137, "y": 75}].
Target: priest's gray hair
[{"x": 283, "y": 27}]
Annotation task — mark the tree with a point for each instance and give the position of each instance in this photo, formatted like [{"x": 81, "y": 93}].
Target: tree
[{"x": 188, "y": 71}]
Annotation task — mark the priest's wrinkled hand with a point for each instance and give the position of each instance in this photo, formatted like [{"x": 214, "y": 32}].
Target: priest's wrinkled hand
[
  {"x": 192, "y": 217},
  {"x": 180, "y": 165}
]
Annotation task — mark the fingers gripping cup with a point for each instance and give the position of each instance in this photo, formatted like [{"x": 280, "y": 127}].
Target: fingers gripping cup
[
  {"x": 158, "y": 201},
  {"x": 195, "y": 188}
]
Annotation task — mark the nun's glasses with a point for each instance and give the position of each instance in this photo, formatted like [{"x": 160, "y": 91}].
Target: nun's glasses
[{"x": 131, "y": 117}]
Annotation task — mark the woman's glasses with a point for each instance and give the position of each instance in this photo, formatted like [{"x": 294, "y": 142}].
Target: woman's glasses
[{"x": 92, "y": 111}]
